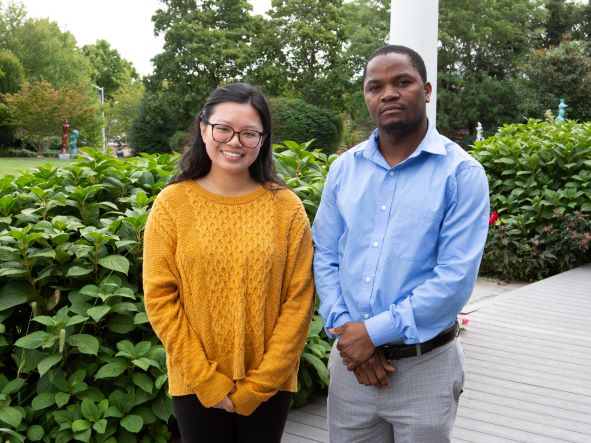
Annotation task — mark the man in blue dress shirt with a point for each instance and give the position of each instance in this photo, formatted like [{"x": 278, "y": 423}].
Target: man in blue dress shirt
[{"x": 399, "y": 236}]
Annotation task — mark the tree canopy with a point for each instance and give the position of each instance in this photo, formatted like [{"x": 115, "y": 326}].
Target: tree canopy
[{"x": 38, "y": 53}]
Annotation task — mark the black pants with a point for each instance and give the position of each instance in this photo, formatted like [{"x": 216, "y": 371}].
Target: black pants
[{"x": 199, "y": 424}]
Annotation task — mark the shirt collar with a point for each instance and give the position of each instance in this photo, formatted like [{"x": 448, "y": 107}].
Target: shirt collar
[{"x": 431, "y": 143}]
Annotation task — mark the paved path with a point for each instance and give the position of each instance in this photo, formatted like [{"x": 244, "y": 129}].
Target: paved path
[{"x": 528, "y": 352}]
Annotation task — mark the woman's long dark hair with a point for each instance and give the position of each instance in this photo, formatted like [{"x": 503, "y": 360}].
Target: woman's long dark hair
[{"x": 195, "y": 163}]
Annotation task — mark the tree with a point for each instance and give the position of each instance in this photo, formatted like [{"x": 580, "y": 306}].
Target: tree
[
  {"x": 207, "y": 43},
  {"x": 482, "y": 44},
  {"x": 12, "y": 73},
  {"x": 124, "y": 108},
  {"x": 12, "y": 18},
  {"x": 47, "y": 52},
  {"x": 154, "y": 123},
  {"x": 38, "y": 111},
  {"x": 551, "y": 74},
  {"x": 296, "y": 120},
  {"x": 564, "y": 19},
  {"x": 108, "y": 69},
  {"x": 311, "y": 35},
  {"x": 366, "y": 25}
]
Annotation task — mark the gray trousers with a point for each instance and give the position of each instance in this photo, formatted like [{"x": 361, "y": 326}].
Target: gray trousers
[{"x": 418, "y": 406}]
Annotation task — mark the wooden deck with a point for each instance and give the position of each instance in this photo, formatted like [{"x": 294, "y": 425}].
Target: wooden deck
[{"x": 528, "y": 354}]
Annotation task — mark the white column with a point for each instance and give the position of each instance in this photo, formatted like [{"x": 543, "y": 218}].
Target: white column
[{"x": 414, "y": 23}]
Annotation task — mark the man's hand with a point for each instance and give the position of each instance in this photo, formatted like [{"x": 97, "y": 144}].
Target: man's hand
[
  {"x": 226, "y": 403},
  {"x": 374, "y": 371},
  {"x": 354, "y": 343}
]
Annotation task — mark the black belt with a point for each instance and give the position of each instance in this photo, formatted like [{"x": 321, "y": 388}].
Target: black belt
[{"x": 396, "y": 352}]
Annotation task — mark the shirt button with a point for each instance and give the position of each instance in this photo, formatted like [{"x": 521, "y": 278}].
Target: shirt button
[
  {"x": 366, "y": 316},
  {"x": 391, "y": 174},
  {"x": 367, "y": 279},
  {"x": 375, "y": 244},
  {"x": 383, "y": 207}
]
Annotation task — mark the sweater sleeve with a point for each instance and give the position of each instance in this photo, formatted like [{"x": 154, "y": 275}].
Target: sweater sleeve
[
  {"x": 167, "y": 315},
  {"x": 289, "y": 335}
]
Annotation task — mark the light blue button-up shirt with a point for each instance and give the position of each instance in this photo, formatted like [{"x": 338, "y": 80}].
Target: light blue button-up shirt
[{"x": 399, "y": 247}]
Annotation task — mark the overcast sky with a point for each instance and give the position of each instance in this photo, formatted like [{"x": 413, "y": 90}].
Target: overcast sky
[{"x": 125, "y": 24}]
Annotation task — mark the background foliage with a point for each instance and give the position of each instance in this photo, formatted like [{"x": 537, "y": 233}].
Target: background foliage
[
  {"x": 78, "y": 358},
  {"x": 540, "y": 184},
  {"x": 492, "y": 58},
  {"x": 295, "y": 119}
]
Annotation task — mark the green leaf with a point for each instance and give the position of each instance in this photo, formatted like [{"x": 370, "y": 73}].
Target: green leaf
[
  {"x": 90, "y": 411},
  {"x": 42, "y": 401},
  {"x": 86, "y": 344},
  {"x": 78, "y": 271},
  {"x": 133, "y": 423},
  {"x": 33, "y": 340},
  {"x": 44, "y": 320},
  {"x": 12, "y": 433},
  {"x": 113, "y": 411},
  {"x": 14, "y": 294},
  {"x": 61, "y": 399},
  {"x": 318, "y": 365},
  {"x": 35, "y": 433},
  {"x": 111, "y": 370},
  {"x": 80, "y": 425},
  {"x": 126, "y": 348},
  {"x": 98, "y": 312},
  {"x": 116, "y": 263},
  {"x": 48, "y": 362},
  {"x": 143, "y": 381},
  {"x": 121, "y": 324},
  {"x": 47, "y": 253},
  {"x": 11, "y": 271},
  {"x": 162, "y": 407},
  {"x": 83, "y": 436},
  {"x": 100, "y": 426},
  {"x": 10, "y": 415},
  {"x": 13, "y": 386},
  {"x": 143, "y": 363},
  {"x": 140, "y": 318},
  {"x": 161, "y": 380},
  {"x": 76, "y": 319}
]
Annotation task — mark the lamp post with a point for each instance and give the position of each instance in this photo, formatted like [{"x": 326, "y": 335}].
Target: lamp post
[{"x": 102, "y": 92}]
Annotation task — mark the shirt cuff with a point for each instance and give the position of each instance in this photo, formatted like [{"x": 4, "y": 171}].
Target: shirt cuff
[
  {"x": 340, "y": 320},
  {"x": 394, "y": 327},
  {"x": 382, "y": 329}
]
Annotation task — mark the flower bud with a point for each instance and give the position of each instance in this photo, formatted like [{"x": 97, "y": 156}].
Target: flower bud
[{"x": 62, "y": 339}]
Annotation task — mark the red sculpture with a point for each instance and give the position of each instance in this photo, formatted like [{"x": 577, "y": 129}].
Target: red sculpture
[{"x": 65, "y": 129}]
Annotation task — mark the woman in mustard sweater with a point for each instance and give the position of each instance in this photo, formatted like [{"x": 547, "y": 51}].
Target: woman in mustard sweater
[{"x": 227, "y": 277}]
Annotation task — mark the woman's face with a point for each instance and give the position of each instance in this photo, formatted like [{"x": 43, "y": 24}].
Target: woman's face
[{"x": 232, "y": 155}]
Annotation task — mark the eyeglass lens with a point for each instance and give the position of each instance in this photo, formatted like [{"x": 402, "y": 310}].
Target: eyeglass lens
[{"x": 223, "y": 134}]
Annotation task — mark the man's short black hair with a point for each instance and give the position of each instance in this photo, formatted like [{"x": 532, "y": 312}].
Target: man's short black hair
[{"x": 415, "y": 59}]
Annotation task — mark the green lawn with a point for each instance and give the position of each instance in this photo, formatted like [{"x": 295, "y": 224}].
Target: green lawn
[{"x": 12, "y": 165}]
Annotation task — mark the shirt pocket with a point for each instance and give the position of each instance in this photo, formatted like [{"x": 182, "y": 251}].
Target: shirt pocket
[{"x": 415, "y": 233}]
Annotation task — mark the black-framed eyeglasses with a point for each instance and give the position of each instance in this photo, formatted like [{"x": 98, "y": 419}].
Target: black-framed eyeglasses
[{"x": 249, "y": 138}]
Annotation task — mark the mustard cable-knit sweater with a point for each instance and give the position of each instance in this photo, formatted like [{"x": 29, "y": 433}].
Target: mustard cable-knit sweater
[{"x": 229, "y": 291}]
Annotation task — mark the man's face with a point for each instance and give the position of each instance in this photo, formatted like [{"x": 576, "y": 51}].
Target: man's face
[{"x": 395, "y": 94}]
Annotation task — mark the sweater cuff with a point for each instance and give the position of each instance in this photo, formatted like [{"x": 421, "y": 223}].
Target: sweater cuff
[
  {"x": 214, "y": 390},
  {"x": 245, "y": 401}
]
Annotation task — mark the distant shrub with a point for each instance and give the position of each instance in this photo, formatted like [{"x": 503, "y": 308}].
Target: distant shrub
[
  {"x": 16, "y": 152},
  {"x": 540, "y": 184},
  {"x": 179, "y": 140},
  {"x": 296, "y": 120}
]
